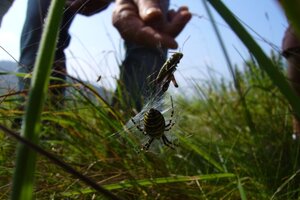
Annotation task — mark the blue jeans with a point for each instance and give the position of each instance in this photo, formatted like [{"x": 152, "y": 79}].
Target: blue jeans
[
  {"x": 139, "y": 61},
  {"x": 4, "y": 6},
  {"x": 31, "y": 36}
]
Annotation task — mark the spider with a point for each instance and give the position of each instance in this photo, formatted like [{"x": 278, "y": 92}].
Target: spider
[{"x": 155, "y": 126}]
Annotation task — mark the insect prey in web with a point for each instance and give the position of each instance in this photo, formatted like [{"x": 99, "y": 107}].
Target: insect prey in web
[{"x": 166, "y": 73}]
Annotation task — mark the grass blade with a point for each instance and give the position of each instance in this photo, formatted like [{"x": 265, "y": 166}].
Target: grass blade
[
  {"x": 201, "y": 153},
  {"x": 241, "y": 190},
  {"x": 231, "y": 68},
  {"x": 60, "y": 163},
  {"x": 148, "y": 182},
  {"x": 265, "y": 63},
  {"x": 23, "y": 181},
  {"x": 284, "y": 184}
]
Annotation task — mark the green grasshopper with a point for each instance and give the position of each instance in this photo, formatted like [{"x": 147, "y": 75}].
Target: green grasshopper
[{"x": 166, "y": 73}]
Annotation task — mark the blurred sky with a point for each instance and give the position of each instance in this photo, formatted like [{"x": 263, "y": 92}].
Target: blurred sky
[{"x": 96, "y": 46}]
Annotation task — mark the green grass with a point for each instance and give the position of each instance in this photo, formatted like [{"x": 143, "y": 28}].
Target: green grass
[
  {"x": 23, "y": 180},
  {"x": 221, "y": 153},
  {"x": 218, "y": 157}
]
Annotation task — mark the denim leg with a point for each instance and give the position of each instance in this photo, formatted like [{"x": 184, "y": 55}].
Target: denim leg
[
  {"x": 139, "y": 63},
  {"x": 4, "y": 6},
  {"x": 31, "y": 36}
]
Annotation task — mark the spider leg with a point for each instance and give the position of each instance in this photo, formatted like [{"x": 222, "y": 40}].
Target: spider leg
[
  {"x": 169, "y": 126},
  {"x": 147, "y": 145},
  {"x": 171, "y": 123},
  {"x": 138, "y": 126},
  {"x": 167, "y": 142}
]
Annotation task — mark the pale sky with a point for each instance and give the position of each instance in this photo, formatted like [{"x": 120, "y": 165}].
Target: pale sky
[{"x": 96, "y": 46}]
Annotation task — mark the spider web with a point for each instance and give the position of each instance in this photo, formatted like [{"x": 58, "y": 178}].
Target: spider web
[{"x": 131, "y": 134}]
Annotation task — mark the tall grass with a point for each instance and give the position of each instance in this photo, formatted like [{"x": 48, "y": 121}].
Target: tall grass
[
  {"x": 26, "y": 158},
  {"x": 218, "y": 156},
  {"x": 264, "y": 62},
  {"x": 230, "y": 66}
]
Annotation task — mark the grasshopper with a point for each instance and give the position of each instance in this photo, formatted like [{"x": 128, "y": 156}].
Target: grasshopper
[{"x": 166, "y": 73}]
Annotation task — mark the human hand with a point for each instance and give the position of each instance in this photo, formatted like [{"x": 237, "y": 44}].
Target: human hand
[
  {"x": 142, "y": 22},
  {"x": 87, "y": 7},
  {"x": 177, "y": 21}
]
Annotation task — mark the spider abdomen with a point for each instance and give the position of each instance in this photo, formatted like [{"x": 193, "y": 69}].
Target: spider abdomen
[
  {"x": 154, "y": 126},
  {"x": 154, "y": 123}
]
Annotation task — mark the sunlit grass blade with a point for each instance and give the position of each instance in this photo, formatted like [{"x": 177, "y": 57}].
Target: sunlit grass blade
[
  {"x": 241, "y": 190},
  {"x": 264, "y": 62},
  {"x": 201, "y": 153},
  {"x": 149, "y": 182},
  {"x": 23, "y": 182}
]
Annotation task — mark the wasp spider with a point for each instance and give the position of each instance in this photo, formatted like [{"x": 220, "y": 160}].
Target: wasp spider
[{"x": 154, "y": 126}]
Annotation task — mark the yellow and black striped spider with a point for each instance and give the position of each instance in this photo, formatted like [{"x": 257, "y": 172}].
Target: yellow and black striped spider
[{"x": 154, "y": 126}]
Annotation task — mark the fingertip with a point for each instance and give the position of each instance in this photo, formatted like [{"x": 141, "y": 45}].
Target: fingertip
[
  {"x": 186, "y": 16},
  {"x": 173, "y": 45},
  {"x": 149, "y": 10},
  {"x": 152, "y": 14},
  {"x": 184, "y": 13},
  {"x": 152, "y": 11},
  {"x": 183, "y": 8}
]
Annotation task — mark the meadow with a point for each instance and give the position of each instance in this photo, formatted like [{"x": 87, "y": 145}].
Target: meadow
[{"x": 233, "y": 139}]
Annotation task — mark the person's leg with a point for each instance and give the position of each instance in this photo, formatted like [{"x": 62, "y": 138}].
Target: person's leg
[
  {"x": 30, "y": 38},
  {"x": 4, "y": 7},
  {"x": 294, "y": 79},
  {"x": 291, "y": 51},
  {"x": 139, "y": 63}
]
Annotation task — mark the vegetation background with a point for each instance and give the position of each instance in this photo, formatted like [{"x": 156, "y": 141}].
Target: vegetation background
[{"x": 234, "y": 140}]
